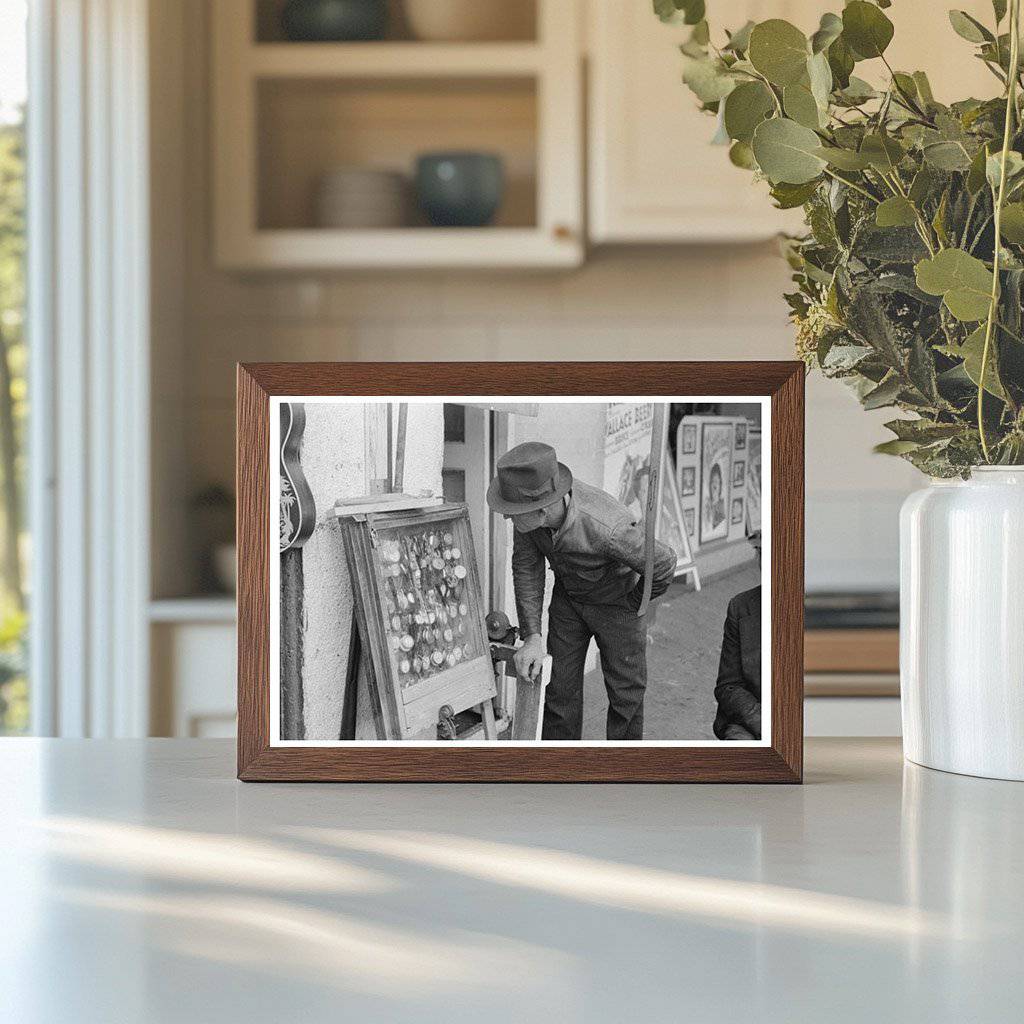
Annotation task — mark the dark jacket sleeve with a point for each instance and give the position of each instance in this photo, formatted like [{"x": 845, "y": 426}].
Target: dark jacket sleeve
[
  {"x": 627, "y": 545},
  {"x": 735, "y": 702},
  {"x": 528, "y": 576}
]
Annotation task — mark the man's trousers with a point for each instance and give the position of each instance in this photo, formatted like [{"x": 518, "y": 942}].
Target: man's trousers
[{"x": 622, "y": 642}]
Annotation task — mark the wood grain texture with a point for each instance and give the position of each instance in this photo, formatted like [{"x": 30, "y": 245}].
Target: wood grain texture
[{"x": 781, "y": 762}]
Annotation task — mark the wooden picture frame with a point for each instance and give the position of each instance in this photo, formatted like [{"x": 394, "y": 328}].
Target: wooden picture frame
[{"x": 779, "y": 759}]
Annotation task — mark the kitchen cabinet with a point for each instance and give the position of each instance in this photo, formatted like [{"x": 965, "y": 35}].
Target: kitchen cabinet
[
  {"x": 653, "y": 175},
  {"x": 288, "y": 114}
]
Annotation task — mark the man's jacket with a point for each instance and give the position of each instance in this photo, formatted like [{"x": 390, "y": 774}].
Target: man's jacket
[
  {"x": 597, "y": 556},
  {"x": 738, "y": 691}
]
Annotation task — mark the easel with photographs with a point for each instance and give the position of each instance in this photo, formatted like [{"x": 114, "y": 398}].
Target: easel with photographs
[{"x": 419, "y": 654}]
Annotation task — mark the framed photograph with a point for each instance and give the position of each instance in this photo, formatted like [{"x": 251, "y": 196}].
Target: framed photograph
[
  {"x": 716, "y": 472},
  {"x": 689, "y": 439},
  {"x": 397, "y": 619},
  {"x": 688, "y": 481},
  {"x": 754, "y": 483}
]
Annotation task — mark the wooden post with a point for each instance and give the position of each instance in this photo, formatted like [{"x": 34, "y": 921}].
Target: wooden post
[
  {"x": 378, "y": 457},
  {"x": 653, "y": 501},
  {"x": 292, "y": 724}
]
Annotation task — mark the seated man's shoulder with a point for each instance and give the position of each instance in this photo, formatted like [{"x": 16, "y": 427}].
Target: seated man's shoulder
[{"x": 746, "y": 603}]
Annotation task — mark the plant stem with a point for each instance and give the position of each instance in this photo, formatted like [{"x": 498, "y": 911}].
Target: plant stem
[
  {"x": 853, "y": 185},
  {"x": 1011, "y": 108}
]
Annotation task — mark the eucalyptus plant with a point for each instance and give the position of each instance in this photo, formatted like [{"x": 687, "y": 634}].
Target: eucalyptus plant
[{"x": 910, "y": 277}]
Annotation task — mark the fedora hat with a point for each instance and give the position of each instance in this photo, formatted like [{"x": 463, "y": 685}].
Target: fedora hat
[{"x": 529, "y": 477}]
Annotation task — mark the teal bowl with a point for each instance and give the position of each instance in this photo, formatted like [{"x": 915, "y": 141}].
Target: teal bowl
[
  {"x": 460, "y": 190},
  {"x": 334, "y": 21}
]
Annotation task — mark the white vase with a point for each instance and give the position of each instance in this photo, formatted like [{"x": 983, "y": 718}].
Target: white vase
[{"x": 962, "y": 624}]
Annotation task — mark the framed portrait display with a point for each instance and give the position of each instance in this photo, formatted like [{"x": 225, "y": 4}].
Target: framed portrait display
[
  {"x": 754, "y": 483},
  {"x": 716, "y": 441},
  {"x": 427, "y": 553}
]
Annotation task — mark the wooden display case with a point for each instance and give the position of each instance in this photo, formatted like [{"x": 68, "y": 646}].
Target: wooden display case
[{"x": 421, "y": 618}]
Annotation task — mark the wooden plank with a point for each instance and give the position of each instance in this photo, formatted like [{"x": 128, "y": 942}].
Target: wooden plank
[
  {"x": 398, "y": 477},
  {"x": 852, "y": 650},
  {"x": 528, "y": 719},
  {"x": 384, "y": 503},
  {"x": 292, "y": 725},
  {"x": 487, "y": 714}
]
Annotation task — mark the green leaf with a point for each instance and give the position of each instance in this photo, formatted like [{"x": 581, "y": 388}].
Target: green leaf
[
  {"x": 866, "y": 29},
  {"x": 788, "y": 196},
  {"x": 819, "y": 74},
  {"x": 882, "y": 151},
  {"x": 895, "y": 447},
  {"x": 841, "y": 63},
  {"x": 924, "y": 88},
  {"x": 976, "y": 173},
  {"x": 971, "y": 351},
  {"x": 741, "y": 155},
  {"x": 779, "y": 51},
  {"x": 707, "y": 78},
  {"x": 787, "y": 151},
  {"x": 895, "y": 212},
  {"x": 745, "y": 108},
  {"x": 963, "y": 281},
  {"x": 923, "y": 431},
  {"x": 969, "y": 28},
  {"x": 993, "y": 167},
  {"x": 1012, "y": 224},
  {"x": 947, "y": 156},
  {"x": 844, "y": 159},
  {"x": 829, "y": 30},
  {"x": 739, "y": 41},
  {"x": 922, "y": 185},
  {"x": 801, "y": 106},
  {"x": 858, "y": 91},
  {"x": 689, "y": 12},
  {"x": 701, "y": 34},
  {"x": 885, "y": 394}
]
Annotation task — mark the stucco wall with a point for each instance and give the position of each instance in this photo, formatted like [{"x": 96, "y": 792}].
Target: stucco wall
[{"x": 334, "y": 464}]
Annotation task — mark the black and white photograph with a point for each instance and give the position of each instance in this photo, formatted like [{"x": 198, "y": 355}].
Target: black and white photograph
[{"x": 512, "y": 571}]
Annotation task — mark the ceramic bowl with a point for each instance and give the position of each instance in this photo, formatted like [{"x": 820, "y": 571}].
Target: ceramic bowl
[
  {"x": 460, "y": 189},
  {"x": 358, "y": 197},
  {"x": 470, "y": 20},
  {"x": 332, "y": 21}
]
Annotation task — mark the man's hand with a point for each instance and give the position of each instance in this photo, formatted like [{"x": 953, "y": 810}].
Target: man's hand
[{"x": 529, "y": 658}]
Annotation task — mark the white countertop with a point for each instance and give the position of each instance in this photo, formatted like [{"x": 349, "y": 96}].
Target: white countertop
[{"x": 140, "y": 882}]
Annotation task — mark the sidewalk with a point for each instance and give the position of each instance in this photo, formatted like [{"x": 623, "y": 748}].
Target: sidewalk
[{"x": 682, "y": 662}]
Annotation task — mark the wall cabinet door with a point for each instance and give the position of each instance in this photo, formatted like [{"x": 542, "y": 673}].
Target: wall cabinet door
[{"x": 653, "y": 175}]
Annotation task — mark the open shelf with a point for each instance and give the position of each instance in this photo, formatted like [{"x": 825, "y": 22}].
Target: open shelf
[
  {"x": 309, "y": 127},
  {"x": 389, "y": 60},
  {"x": 287, "y": 114}
]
